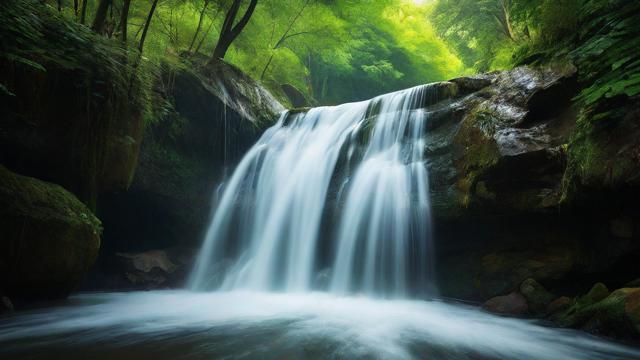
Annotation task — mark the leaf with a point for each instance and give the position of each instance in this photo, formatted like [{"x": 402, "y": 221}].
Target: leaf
[
  {"x": 619, "y": 63},
  {"x": 632, "y": 90}
]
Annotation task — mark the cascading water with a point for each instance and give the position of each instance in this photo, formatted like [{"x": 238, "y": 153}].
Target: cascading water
[{"x": 333, "y": 199}]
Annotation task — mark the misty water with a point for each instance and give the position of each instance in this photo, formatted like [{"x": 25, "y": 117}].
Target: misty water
[
  {"x": 319, "y": 247},
  {"x": 332, "y": 199},
  {"x": 247, "y": 325}
]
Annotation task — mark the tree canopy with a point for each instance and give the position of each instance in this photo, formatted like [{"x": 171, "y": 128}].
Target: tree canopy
[{"x": 337, "y": 51}]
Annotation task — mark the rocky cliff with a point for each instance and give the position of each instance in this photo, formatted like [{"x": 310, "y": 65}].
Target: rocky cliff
[
  {"x": 206, "y": 118},
  {"x": 71, "y": 108},
  {"x": 509, "y": 192}
]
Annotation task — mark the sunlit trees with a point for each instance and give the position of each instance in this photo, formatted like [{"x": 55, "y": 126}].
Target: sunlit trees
[
  {"x": 333, "y": 51},
  {"x": 490, "y": 34}
]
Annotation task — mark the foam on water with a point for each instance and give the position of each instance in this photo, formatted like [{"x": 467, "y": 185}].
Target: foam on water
[{"x": 179, "y": 324}]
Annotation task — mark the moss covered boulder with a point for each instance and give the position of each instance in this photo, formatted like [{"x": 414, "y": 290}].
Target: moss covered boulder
[
  {"x": 538, "y": 298},
  {"x": 614, "y": 314},
  {"x": 48, "y": 238}
]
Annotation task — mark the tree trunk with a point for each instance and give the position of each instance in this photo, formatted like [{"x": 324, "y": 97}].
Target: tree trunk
[
  {"x": 59, "y": 5},
  {"x": 195, "y": 36},
  {"x": 146, "y": 25},
  {"x": 229, "y": 32},
  {"x": 124, "y": 19},
  {"x": 505, "y": 19},
  {"x": 101, "y": 16},
  {"x": 75, "y": 9},
  {"x": 83, "y": 12}
]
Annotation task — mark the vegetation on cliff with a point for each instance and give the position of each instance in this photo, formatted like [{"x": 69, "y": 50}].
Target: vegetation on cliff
[{"x": 72, "y": 102}]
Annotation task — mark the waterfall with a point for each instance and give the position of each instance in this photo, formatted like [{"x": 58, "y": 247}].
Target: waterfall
[{"x": 333, "y": 199}]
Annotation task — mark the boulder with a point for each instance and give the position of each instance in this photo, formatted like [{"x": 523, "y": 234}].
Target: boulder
[
  {"x": 49, "y": 238},
  {"x": 560, "y": 304},
  {"x": 578, "y": 313},
  {"x": 147, "y": 270},
  {"x": 617, "y": 314},
  {"x": 513, "y": 304},
  {"x": 598, "y": 292},
  {"x": 538, "y": 298}
]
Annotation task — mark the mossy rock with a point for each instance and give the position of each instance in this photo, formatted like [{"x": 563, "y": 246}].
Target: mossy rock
[
  {"x": 505, "y": 271},
  {"x": 576, "y": 314},
  {"x": 618, "y": 314},
  {"x": 48, "y": 241},
  {"x": 598, "y": 292},
  {"x": 538, "y": 298}
]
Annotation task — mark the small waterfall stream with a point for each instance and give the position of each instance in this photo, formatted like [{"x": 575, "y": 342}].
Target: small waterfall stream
[{"x": 332, "y": 199}]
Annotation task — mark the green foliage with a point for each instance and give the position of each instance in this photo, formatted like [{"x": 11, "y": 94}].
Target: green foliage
[
  {"x": 608, "y": 52},
  {"x": 601, "y": 37},
  {"x": 331, "y": 51},
  {"x": 35, "y": 35}
]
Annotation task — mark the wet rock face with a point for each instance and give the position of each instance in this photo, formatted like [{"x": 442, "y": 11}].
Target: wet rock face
[
  {"x": 495, "y": 152},
  {"x": 70, "y": 127},
  {"x": 215, "y": 115},
  {"x": 49, "y": 238},
  {"x": 498, "y": 152}
]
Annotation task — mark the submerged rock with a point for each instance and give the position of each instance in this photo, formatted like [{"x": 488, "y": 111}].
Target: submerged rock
[{"x": 49, "y": 238}]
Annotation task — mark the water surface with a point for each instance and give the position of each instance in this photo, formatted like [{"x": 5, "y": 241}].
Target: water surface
[{"x": 248, "y": 325}]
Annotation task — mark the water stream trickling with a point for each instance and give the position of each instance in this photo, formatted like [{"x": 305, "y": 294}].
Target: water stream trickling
[{"x": 333, "y": 199}]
